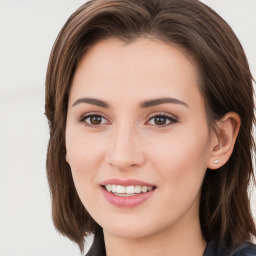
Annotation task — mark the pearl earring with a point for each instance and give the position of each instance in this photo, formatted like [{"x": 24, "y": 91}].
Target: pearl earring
[{"x": 216, "y": 161}]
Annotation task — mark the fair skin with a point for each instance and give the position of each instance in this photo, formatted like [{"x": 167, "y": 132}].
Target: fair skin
[{"x": 121, "y": 135}]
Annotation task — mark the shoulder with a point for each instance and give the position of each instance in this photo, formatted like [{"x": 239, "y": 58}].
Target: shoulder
[
  {"x": 247, "y": 249},
  {"x": 215, "y": 248}
]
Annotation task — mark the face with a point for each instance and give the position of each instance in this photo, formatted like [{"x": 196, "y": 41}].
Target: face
[{"x": 137, "y": 138}]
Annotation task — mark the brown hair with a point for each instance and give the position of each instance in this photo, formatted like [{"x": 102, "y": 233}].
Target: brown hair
[{"x": 225, "y": 83}]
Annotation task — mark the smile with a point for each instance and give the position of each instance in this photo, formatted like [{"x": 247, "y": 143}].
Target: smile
[
  {"x": 127, "y": 193},
  {"x": 127, "y": 190}
]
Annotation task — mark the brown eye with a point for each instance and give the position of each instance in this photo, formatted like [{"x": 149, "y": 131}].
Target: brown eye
[
  {"x": 93, "y": 120},
  {"x": 161, "y": 120}
]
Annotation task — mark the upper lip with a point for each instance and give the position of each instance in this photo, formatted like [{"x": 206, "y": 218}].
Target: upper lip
[{"x": 126, "y": 182}]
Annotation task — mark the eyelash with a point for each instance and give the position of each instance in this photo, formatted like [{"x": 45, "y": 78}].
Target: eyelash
[
  {"x": 171, "y": 119},
  {"x": 87, "y": 116}
]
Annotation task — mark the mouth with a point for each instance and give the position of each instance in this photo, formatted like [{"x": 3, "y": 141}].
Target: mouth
[
  {"x": 127, "y": 193},
  {"x": 130, "y": 190}
]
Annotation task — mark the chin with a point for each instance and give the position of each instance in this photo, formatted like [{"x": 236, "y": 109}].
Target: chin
[
  {"x": 131, "y": 230},
  {"x": 128, "y": 233}
]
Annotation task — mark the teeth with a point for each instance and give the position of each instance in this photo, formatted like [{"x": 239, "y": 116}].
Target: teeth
[
  {"x": 144, "y": 189},
  {"x": 109, "y": 187},
  {"x": 120, "y": 189},
  {"x": 113, "y": 188},
  {"x": 138, "y": 189},
  {"x": 127, "y": 190}
]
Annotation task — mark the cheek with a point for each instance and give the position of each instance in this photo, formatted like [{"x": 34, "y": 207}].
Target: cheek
[
  {"x": 83, "y": 168},
  {"x": 83, "y": 149},
  {"x": 182, "y": 159},
  {"x": 181, "y": 165},
  {"x": 85, "y": 157}
]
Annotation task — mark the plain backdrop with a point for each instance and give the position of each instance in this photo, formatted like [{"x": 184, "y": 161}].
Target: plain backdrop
[{"x": 28, "y": 29}]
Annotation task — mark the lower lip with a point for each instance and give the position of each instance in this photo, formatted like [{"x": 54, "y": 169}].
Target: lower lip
[{"x": 127, "y": 201}]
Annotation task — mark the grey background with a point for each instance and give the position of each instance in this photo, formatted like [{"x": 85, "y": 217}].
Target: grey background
[{"x": 27, "y": 32}]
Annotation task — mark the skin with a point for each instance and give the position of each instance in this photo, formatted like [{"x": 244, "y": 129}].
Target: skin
[{"x": 129, "y": 143}]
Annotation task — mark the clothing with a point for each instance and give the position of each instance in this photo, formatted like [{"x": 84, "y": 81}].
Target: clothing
[
  {"x": 215, "y": 249},
  {"x": 212, "y": 249}
]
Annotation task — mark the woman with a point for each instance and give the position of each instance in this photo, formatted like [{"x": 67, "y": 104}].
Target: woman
[{"x": 150, "y": 108}]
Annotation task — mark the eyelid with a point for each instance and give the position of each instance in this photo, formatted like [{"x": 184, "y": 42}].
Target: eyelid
[
  {"x": 162, "y": 114},
  {"x": 84, "y": 116},
  {"x": 174, "y": 119}
]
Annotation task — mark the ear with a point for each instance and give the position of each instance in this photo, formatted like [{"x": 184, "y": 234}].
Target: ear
[
  {"x": 223, "y": 140},
  {"x": 66, "y": 157}
]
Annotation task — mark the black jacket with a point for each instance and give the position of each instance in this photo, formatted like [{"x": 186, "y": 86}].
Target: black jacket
[
  {"x": 213, "y": 248},
  {"x": 219, "y": 249}
]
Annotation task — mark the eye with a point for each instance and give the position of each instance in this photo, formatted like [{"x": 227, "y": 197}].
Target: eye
[
  {"x": 93, "y": 120},
  {"x": 162, "y": 120}
]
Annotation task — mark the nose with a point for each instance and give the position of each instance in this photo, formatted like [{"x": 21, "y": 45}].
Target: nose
[{"x": 125, "y": 151}]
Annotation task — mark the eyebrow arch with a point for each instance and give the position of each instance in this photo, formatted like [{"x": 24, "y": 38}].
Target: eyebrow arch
[
  {"x": 92, "y": 101},
  {"x": 155, "y": 102}
]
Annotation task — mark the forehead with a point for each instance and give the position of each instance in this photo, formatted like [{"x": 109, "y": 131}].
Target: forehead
[{"x": 141, "y": 69}]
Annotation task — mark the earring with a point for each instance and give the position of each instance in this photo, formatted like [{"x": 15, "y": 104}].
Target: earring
[
  {"x": 66, "y": 157},
  {"x": 216, "y": 161}
]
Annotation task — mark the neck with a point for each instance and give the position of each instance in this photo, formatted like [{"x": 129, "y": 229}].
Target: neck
[{"x": 182, "y": 239}]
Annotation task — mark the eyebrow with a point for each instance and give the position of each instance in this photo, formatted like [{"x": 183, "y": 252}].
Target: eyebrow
[
  {"x": 92, "y": 101},
  {"x": 156, "y": 102},
  {"x": 144, "y": 104}
]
